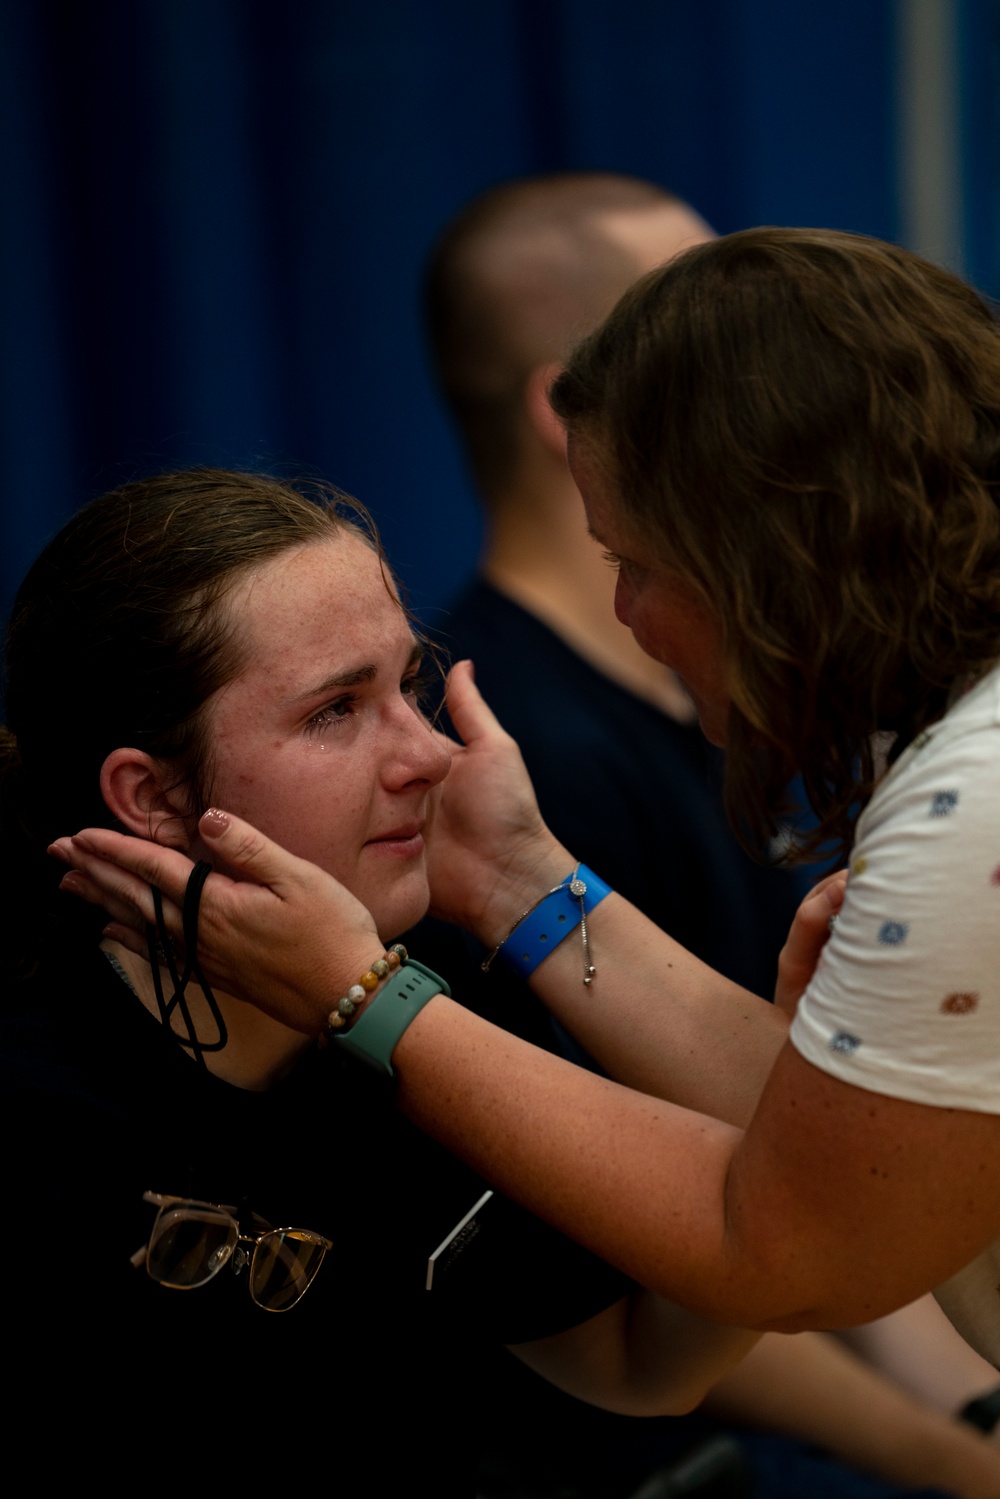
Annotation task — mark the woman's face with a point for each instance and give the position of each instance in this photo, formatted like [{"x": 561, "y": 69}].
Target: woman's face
[
  {"x": 319, "y": 742},
  {"x": 664, "y": 613}
]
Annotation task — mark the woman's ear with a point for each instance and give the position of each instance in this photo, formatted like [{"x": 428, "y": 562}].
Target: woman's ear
[
  {"x": 145, "y": 798},
  {"x": 543, "y": 419}
]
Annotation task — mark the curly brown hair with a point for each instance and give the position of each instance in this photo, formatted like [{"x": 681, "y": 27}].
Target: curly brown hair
[{"x": 806, "y": 426}]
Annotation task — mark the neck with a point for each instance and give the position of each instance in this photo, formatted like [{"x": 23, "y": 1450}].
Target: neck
[
  {"x": 259, "y": 1052},
  {"x": 540, "y": 554}
]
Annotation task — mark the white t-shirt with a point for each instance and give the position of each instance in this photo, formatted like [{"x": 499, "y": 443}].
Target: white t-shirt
[{"x": 906, "y": 997}]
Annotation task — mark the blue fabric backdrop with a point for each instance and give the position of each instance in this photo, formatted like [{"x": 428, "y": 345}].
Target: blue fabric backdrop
[{"x": 216, "y": 211}]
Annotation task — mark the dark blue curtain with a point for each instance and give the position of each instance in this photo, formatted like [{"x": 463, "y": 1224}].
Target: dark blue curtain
[{"x": 216, "y": 212}]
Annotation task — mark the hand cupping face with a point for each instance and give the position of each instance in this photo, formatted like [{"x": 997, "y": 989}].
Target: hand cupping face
[
  {"x": 281, "y": 933},
  {"x": 490, "y": 846}
]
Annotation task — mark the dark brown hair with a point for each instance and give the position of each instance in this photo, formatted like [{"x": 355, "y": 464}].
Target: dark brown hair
[
  {"x": 119, "y": 636},
  {"x": 806, "y": 426}
]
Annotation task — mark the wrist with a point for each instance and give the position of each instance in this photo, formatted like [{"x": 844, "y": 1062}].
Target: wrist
[
  {"x": 519, "y": 883},
  {"x": 548, "y": 921},
  {"x": 345, "y": 1008},
  {"x": 369, "y": 1020}
]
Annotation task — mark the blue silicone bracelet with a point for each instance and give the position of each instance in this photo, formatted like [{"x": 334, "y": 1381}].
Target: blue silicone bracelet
[{"x": 551, "y": 922}]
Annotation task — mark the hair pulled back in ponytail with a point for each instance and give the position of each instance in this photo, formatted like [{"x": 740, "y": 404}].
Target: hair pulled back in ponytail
[{"x": 119, "y": 636}]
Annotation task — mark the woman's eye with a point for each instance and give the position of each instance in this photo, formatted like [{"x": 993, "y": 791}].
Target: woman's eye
[
  {"x": 333, "y": 713},
  {"x": 630, "y": 570},
  {"x": 418, "y": 685},
  {"x": 631, "y": 573}
]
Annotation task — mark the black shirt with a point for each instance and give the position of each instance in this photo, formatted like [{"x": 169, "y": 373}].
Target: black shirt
[{"x": 370, "y": 1383}]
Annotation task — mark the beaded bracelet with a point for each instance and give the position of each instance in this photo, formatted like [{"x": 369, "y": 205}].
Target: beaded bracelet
[
  {"x": 375, "y": 1033},
  {"x": 367, "y": 984}
]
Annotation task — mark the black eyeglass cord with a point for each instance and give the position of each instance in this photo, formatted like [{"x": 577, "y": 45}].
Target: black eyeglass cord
[{"x": 161, "y": 953}]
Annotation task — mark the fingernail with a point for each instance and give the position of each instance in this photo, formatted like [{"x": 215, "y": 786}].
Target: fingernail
[
  {"x": 56, "y": 852},
  {"x": 214, "y": 823},
  {"x": 72, "y": 882}
]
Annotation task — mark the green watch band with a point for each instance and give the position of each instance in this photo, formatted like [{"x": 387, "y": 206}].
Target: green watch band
[{"x": 373, "y": 1036}]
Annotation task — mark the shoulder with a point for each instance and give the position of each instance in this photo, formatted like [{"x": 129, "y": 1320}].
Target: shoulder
[
  {"x": 948, "y": 774},
  {"x": 906, "y": 997}
]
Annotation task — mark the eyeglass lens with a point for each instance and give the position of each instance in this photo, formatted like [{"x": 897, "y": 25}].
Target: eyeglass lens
[
  {"x": 190, "y": 1244},
  {"x": 283, "y": 1266}
]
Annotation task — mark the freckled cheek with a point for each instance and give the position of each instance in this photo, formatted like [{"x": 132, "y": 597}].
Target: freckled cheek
[
  {"x": 336, "y": 816},
  {"x": 322, "y": 828}
]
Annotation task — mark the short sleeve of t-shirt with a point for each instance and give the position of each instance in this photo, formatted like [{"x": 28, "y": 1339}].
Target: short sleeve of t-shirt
[{"x": 906, "y": 997}]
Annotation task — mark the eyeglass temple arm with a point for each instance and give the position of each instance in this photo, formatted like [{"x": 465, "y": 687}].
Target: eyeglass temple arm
[{"x": 165, "y": 1200}]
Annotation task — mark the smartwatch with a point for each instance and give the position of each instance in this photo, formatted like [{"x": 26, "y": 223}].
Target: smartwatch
[{"x": 373, "y": 1036}]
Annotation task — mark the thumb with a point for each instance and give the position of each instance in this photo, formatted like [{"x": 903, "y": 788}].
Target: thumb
[
  {"x": 469, "y": 712},
  {"x": 246, "y": 851}
]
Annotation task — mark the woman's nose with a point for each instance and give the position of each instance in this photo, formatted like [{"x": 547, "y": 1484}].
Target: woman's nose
[{"x": 422, "y": 754}]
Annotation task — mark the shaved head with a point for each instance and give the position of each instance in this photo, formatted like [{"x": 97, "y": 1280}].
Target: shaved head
[{"x": 522, "y": 274}]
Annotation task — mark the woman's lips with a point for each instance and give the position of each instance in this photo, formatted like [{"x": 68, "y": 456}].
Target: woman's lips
[{"x": 401, "y": 843}]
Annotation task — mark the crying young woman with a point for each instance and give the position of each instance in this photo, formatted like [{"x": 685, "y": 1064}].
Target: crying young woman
[{"x": 213, "y": 637}]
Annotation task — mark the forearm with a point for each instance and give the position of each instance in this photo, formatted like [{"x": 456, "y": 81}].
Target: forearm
[
  {"x": 637, "y": 1180},
  {"x": 918, "y": 1349},
  {"x": 659, "y": 1020},
  {"x": 810, "y": 1387},
  {"x": 794, "y": 1225},
  {"x": 644, "y": 1356}
]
